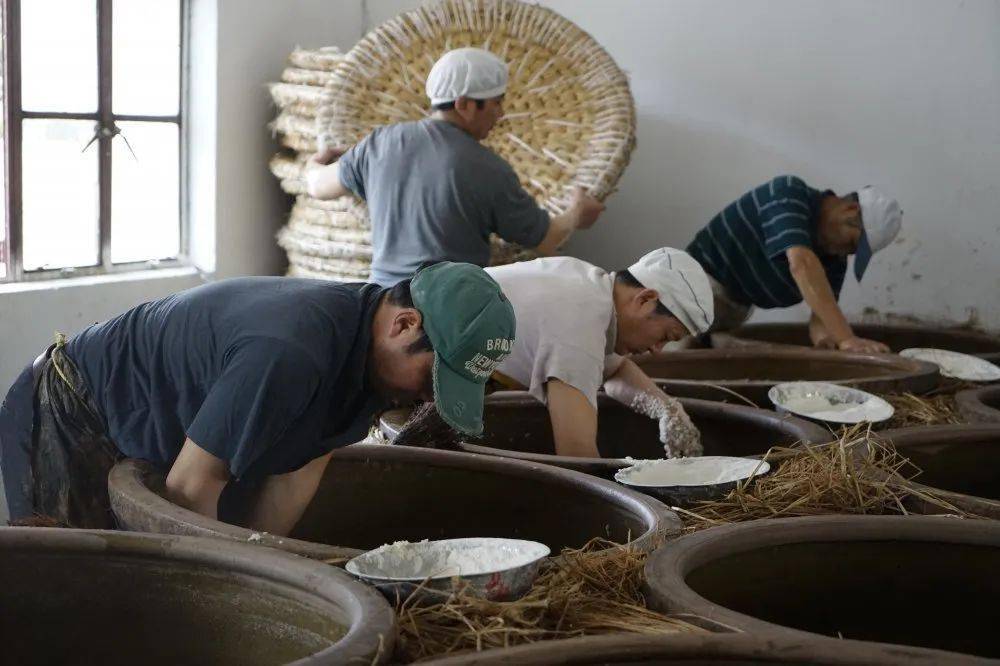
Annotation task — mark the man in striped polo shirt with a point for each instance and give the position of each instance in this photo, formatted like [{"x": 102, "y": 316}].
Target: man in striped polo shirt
[{"x": 784, "y": 242}]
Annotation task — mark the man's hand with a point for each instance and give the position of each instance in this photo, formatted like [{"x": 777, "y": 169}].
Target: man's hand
[
  {"x": 322, "y": 174},
  {"x": 679, "y": 436},
  {"x": 862, "y": 346},
  {"x": 825, "y": 343},
  {"x": 583, "y": 211},
  {"x": 630, "y": 386},
  {"x": 585, "y": 208},
  {"x": 324, "y": 156}
]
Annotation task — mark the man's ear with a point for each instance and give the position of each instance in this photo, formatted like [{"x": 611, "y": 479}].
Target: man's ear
[
  {"x": 647, "y": 296},
  {"x": 405, "y": 322}
]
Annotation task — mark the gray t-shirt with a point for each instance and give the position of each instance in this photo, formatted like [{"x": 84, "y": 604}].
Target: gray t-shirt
[
  {"x": 566, "y": 325},
  {"x": 436, "y": 193}
]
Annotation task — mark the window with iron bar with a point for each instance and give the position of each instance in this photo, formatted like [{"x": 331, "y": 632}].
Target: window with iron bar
[{"x": 92, "y": 126}]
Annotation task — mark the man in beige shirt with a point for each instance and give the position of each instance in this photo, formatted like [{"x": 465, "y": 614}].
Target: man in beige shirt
[{"x": 576, "y": 325}]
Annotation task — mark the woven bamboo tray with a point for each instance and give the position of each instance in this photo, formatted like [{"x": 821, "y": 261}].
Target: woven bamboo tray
[
  {"x": 301, "y": 100},
  {"x": 300, "y": 143},
  {"x": 296, "y": 241},
  {"x": 325, "y": 232},
  {"x": 291, "y": 123},
  {"x": 570, "y": 117},
  {"x": 502, "y": 252},
  {"x": 342, "y": 221},
  {"x": 337, "y": 266},
  {"x": 324, "y": 239},
  {"x": 286, "y": 166},
  {"x": 306, "y": 77},
  {"x": 300, "y": 272},
  {"x": 324, "y": 59}
]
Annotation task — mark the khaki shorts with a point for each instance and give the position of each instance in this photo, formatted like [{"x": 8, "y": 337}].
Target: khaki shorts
[{"x": 729, "y": 314}]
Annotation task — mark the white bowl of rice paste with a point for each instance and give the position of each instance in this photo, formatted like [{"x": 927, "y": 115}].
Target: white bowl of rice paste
[
  {"x": 955, "y": 365},
  {"x": 830, "y": 403},
  {"x": 492, "y": 568},
  {"x": 682, "y": 481}
]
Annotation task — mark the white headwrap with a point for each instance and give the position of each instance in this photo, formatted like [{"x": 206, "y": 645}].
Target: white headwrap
[
  {"x": 681, "y": 284},
  {"x": 468, "y": 72}
]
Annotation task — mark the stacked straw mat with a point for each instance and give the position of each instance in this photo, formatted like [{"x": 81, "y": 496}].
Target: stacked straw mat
[
  {"x": 323, "y": 239},
  {"x": 569, "y": 115}
]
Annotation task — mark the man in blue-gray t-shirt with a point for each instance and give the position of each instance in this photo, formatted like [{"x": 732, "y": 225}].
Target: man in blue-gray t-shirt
[
  {"x": 247, "y": 383},
  {"x": 434, "y": 192},
  {"x": 784, "y": 242}
]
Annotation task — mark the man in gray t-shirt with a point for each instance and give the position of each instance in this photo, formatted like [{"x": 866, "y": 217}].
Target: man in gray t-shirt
[{"x": 434, "y": 192}]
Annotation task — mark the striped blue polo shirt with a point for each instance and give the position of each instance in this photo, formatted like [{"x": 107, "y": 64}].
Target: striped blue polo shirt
[{"x": 743, "y": 247}]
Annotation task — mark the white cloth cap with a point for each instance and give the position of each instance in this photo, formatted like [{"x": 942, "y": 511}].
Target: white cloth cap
[
  {"x": 681, "y": 284},
  {"x": 881, "y": 218},
  {"x": 468, "y": 72}
]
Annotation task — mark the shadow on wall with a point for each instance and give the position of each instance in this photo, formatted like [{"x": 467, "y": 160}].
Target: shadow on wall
[{"x": 681, "y": 174}]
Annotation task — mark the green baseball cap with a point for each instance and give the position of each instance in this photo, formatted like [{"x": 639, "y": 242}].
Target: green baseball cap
[{"x": 471, "y": 325}]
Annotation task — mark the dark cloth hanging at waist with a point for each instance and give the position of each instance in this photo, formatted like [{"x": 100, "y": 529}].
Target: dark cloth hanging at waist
[{"x": 56, "y": 464}]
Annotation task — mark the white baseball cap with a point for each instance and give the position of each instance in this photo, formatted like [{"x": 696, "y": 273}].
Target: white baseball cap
[
  {"x": 881, "y": 219},
  {"x": 681, "y": 284},
  {"x": 468, "y": 72}
]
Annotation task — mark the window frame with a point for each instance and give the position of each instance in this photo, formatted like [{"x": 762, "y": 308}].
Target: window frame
[{"x": 105, "y": 124}]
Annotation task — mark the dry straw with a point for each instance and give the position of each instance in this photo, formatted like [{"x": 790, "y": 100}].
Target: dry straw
[
  {"x": 569, "y": 114},
  {"x": 856, "y": 474},
  {"x": 597, "y": 589},
  {"x": 915, "y": 410},
  {"x": 591, "y": 591}
]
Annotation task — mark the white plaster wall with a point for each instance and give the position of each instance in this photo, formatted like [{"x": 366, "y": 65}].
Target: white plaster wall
[
  {"x": 255, "y": 37},
  {"x": 903, "y": 94}
]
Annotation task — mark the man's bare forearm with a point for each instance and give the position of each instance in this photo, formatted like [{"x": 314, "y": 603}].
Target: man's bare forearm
[
  {"x": 809, "y": 276},
  {"x": 323, "y": 182},
  {"x": 629, "y": 382},
  {"x": 583, "y": 211},
  {"x": 283, "y": 498},
  {"x": 196, "y": 480},
  {"x": 560, "y": 229}
]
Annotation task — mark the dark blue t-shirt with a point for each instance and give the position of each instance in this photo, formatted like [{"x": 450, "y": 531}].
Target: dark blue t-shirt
[
  {"x": 266, "y": 373},
  {"x": 744, "y": 246}
]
